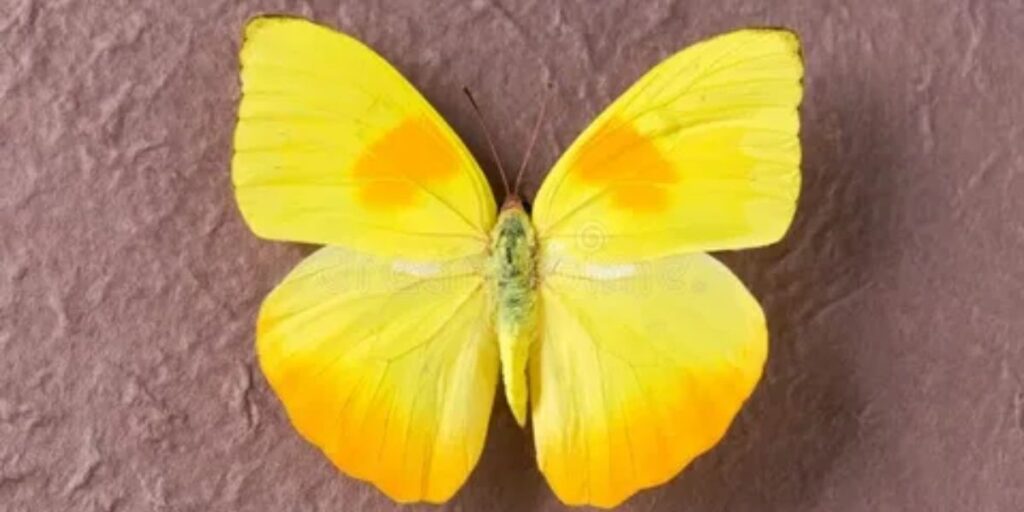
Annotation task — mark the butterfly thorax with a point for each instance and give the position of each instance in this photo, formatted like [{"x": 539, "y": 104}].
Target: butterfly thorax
[{"x": 513, "y": 267}]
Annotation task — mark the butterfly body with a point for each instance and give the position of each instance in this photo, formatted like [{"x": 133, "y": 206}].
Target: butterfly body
[
  {"x": 628, "y": 346},
  {"x": 514, "y": 267}
]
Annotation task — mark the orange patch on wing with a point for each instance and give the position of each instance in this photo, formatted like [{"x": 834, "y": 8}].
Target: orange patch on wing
[
  {"x": 388, "y": 193},
  {"x": 620, "y": 157},
  {"x": 412, "y": 155}
]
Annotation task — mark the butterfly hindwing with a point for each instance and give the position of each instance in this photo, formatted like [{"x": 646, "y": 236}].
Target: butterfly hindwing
[
  {"x": 624, "y": 404},
  {"x": 388, "y": 366}
]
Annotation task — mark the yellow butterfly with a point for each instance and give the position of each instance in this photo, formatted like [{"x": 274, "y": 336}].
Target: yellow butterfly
[{"x": 630, "y": 348}]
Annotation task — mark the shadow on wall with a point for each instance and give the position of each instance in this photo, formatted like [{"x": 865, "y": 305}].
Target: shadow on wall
[{"x": 807, "y": 412}]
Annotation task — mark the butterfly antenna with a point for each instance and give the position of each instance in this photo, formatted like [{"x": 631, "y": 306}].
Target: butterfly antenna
[
  {"x": 533, "y": 140},
  {"x": 490, "y": 143}
]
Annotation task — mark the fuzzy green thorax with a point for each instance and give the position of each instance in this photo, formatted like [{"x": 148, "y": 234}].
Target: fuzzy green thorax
[{"x": 513, "y": 263}]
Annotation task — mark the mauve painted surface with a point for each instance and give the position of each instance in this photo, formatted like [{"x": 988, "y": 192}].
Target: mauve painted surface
[{"x": 129, "y": 284}]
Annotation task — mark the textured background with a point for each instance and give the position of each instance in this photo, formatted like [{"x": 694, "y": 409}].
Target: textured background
[{"x": 129, "y": 284}]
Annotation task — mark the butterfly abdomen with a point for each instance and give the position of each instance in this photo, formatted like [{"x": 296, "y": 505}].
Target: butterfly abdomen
[{"x": 513, "y": 255}]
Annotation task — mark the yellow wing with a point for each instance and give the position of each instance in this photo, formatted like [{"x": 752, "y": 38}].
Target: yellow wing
[
  {"x": 700, "y": 154},
  {"x": 381, "y": 347},
  {"x": 640, "y": 368},
  {"x": 648, "y": 347},
  {"x": 334, "y": 146},
  {"x": 388, "y": 366}
]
